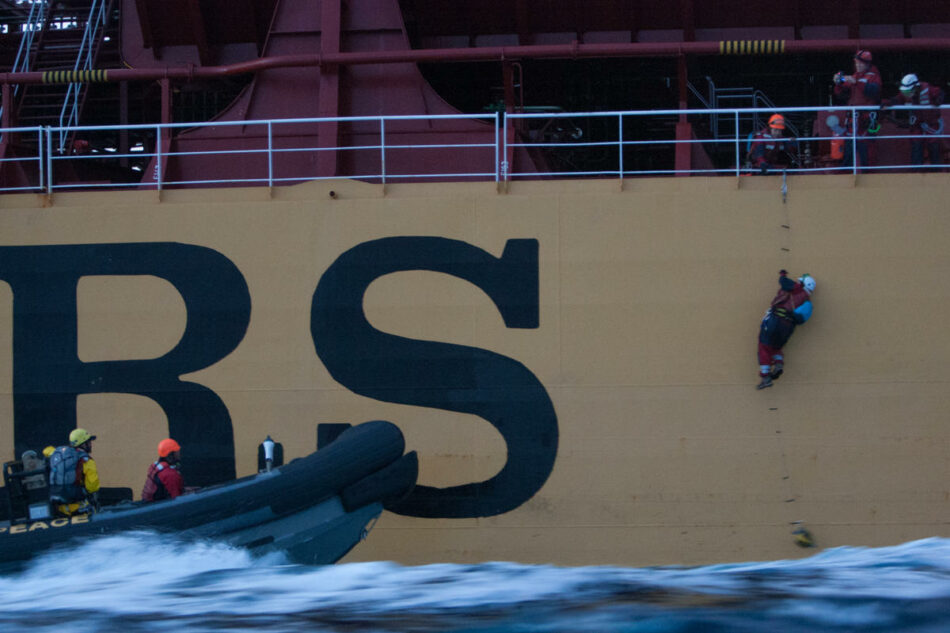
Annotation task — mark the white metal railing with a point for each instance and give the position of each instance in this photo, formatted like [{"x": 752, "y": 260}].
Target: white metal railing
[
  {"x": 33, "y": 168},
  {"x": 278, "y": 152},
  {"x": 267, "y": 145},
  {"x": 740, "y": 141}
]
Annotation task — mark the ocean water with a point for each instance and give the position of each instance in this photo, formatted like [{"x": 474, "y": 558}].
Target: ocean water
[{"x": 145, "y": 582}]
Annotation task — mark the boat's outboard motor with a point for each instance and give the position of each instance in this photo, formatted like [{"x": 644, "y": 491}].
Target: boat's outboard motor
[
  {"x": 27, "y": 487},
  {"x": 270, "y": 454}
]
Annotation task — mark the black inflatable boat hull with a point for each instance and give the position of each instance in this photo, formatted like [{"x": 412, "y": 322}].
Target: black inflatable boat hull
[{"x": 315, "y": 508}]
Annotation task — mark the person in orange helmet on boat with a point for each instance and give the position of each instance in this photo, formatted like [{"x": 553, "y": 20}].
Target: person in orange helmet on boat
[{"x": 164, "y": 479}]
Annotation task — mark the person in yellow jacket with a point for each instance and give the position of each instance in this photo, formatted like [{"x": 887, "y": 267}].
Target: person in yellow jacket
[{"x": 73, "y": 476}]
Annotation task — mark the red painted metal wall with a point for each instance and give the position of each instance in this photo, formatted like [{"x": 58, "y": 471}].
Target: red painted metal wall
[
  {"x": 512, "y": 22},
  {"x": 326, "y": 58},
  {"x": 329, "y": 27}
]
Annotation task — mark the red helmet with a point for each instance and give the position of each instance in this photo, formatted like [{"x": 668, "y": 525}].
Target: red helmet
[
  {"x": 167, "y": 446},
  {"x": 777, "y": 122},
  {"x": 864, "y": 56}
]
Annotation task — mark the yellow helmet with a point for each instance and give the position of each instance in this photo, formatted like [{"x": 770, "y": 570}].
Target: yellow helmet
[{"x": 79, "y": 437}]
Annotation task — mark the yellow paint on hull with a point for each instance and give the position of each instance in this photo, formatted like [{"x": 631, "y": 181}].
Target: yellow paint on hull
[{"x": 651, "y": 292}]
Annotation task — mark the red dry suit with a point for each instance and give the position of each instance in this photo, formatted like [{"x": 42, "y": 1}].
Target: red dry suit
[
  {"x": 770, "y": 151},
  {"x": 866, "y": 91},
  {"x": 163, "y": 481},
  {"x": 790, "y": 307},
  {"x": 930, "y": 98}
]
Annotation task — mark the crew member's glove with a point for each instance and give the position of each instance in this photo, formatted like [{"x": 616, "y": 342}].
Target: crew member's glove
[
  {"x": 839, "y": 77},
  {"x": 764, "y": 168}
]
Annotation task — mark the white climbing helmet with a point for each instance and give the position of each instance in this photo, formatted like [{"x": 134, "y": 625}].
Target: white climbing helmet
[
  {"x": 808, "y": 282},
  {"x": 909, "y": 83}
]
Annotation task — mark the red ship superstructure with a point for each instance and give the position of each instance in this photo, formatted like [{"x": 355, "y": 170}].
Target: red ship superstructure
[{"x": 123, "y": 64}]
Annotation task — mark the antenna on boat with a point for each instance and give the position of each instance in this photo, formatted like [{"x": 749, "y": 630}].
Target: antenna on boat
[{"x": 270, "y": 454}]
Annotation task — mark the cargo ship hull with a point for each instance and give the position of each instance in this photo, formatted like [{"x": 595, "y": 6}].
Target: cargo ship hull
[{"x": 573, "y": 361}]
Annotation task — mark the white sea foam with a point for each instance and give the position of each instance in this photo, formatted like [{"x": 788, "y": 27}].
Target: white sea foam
[{"x": 146, "y": 575}]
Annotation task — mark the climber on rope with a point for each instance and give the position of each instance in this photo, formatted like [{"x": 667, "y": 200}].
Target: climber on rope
[{"x": 790, "y": 307}]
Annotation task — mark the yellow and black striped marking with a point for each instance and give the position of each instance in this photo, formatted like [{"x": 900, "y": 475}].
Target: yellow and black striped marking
[
  {"x": 751, "y": 47},
  {"x": 74, "y": 76}
]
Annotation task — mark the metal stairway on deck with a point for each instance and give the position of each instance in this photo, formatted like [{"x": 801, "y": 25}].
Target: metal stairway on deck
[
  {"x": 724, "y": 127},
  {"x": 63, "y": 36}
]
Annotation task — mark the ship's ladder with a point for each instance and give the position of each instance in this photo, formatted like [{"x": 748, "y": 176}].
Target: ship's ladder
[
  {"x": 723, "y": 127},
  {"x": 61, "y": 40}
]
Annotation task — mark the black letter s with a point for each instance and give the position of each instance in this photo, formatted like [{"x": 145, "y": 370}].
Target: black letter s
[{"x": 440, "y": 375}]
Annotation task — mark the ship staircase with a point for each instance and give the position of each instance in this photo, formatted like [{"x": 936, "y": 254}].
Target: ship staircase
[
  {"x": 62, "y": 36},
  {"x": 723, "y": 127}
]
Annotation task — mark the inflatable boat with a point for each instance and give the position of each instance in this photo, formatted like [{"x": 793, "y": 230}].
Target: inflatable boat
[{"x": 315, "y": 509}]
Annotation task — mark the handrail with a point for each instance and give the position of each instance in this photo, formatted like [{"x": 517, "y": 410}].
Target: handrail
[
  {"x": 34, "y": 23},
  {"x": 493, "y": 53},
  {"x": 698, "y": 95},
  {"x": 854, "y": 139},
  {"x": 758, "y": 100},
  {"x": 85, "y": 56},
  {"x": 488, "y": 153}
]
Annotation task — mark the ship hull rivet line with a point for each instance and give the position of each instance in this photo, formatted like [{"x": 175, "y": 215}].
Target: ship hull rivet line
[{"x": 786, "y": 475}]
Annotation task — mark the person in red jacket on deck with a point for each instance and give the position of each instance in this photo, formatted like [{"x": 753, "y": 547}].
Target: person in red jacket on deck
[
  {"x": 863, "y": 88},
  {"x": 926, "y": 124},
  {"x": 790, "y": 307},
  {"x": 771, "y": 148},
  {"x": 164, "y": 480}
]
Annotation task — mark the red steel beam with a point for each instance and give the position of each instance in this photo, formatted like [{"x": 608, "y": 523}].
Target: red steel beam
[
  {"x": 329, "y": 106},
  {"x": 495, "y": 53}
]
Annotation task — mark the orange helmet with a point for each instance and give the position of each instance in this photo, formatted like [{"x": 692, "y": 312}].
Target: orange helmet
[
  {"x": 777, "y": 122},
  {"x": 167, "y": 446}
]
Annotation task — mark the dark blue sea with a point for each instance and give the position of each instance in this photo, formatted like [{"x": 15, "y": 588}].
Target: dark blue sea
[{"x": 143, "y": 582}]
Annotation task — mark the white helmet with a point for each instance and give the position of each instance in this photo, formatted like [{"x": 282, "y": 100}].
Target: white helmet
[
  {"x": 808, "y": 282},
  {"x": 909, "y": 83}
]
